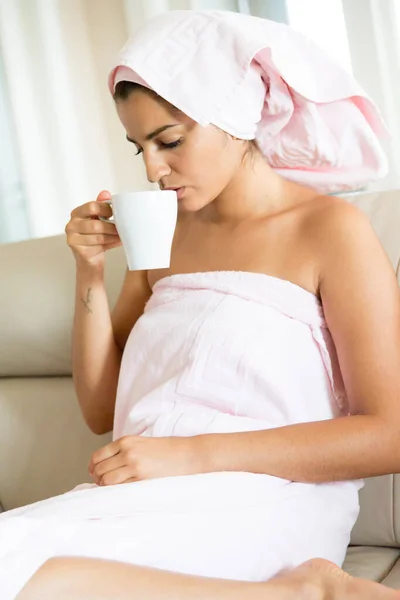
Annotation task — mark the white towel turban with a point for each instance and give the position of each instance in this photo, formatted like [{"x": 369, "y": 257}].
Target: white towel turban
[{"x": 257, "y": 79}]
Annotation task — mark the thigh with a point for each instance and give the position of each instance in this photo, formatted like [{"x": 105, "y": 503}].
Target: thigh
[{"x": 247, "y": 543}]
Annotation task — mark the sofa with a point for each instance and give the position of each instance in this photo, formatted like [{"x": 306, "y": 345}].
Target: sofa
[{"x": 45, "y": 446}]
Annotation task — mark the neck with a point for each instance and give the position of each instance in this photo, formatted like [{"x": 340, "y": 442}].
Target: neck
[{"x": 255, "y": 191}]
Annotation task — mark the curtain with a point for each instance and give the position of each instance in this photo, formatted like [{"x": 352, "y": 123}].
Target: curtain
[
  {"x": 13, "y": 215},
  {"x": 69, "y": 143},
  {"x": 373, "y": 32},
  {"x": 137, "y": 11},
  {"x": 49, "y": 106}
]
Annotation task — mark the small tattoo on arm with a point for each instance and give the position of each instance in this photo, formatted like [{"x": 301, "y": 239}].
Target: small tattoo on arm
[{"x": 87, "y": 301}]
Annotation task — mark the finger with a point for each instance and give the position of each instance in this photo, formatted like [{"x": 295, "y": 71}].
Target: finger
[
  {"x": 113, "y": 245},
  {"x": 123, "y": 475},
  {"x": 98, "y": 239},
  {"x": 110, "y": 464},
  {"x": 105, "y": 452},
  {"x": 92, "y": 209},
  {"x": 88, "y": 226},
  {"x": 104, "y": 195}
]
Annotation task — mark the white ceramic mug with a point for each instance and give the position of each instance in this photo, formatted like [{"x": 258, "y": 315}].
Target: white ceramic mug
[{"x": 146, "y": 223}]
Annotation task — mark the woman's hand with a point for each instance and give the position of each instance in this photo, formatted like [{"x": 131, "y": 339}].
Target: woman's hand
[
  {"x": 87, "y": 236},
  {"x": 134, "y": 458}
]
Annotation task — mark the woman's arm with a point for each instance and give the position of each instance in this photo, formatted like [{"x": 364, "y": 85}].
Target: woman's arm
[
  {"x": 99, "y": 339},
  {"x": 361, "y": 301}
]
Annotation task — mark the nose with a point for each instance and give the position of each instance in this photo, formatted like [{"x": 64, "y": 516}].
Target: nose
[{"x": 156, "y": 166}]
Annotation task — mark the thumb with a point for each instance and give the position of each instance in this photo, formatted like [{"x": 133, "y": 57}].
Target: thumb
[{"x": 104, "y": 195}]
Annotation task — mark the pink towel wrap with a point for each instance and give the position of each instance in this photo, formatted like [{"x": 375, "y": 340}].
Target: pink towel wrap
[
  {"x": 213, "y": 352},
  {"x": 227, "y": 351}
]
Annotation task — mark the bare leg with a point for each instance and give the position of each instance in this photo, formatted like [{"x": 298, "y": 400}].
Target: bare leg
[{"x": 89, "y": 579}]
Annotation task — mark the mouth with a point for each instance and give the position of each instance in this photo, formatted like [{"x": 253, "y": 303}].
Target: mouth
[{"x": 179, "y": 191}]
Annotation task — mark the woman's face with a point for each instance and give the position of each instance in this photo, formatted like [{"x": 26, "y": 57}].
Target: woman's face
[{"x": 179, "y": 153}]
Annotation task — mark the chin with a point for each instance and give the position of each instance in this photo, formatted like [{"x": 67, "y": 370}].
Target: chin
[{"x": 192, "y": 203}]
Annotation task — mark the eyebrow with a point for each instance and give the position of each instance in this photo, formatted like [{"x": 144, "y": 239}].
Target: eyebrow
[{"x": 153, "y": 134}]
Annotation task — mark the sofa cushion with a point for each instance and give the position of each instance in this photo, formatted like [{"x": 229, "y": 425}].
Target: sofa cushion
[
  {"x": 393, "y": 578},
  {"x": 378, "y": 522},
  {"x": 45, "y": 446},
  {"x": 37, "y": 304},
  {"x": 375, "y": 564},
  {"x": 383, "y": 210}
]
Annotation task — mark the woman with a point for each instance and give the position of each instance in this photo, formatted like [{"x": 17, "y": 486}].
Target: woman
[{"x": 259, "y": 378}]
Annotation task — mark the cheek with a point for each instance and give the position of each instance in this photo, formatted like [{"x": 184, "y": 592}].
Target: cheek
[
  {"x": 206, "y": 162},
  {"x": 192, "y": 162},
  {"x": 219, "y": 167},
  {"x": 203, "y": 170},
  {"x": 211, "y": 160}
]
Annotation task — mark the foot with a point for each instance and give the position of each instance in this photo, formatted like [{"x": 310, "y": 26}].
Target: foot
[{"x": 320, "y": 579}]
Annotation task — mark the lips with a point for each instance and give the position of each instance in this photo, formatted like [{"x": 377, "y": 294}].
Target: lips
[{"x": 179, "y": 191}]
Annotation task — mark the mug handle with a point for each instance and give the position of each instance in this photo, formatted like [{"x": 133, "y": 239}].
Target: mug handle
[{"x": 107, "y": 219}]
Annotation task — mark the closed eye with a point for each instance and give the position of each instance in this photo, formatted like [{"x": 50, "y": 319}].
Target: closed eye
[
  {"x": 164, "y": 146},
  {"x": 172, "y": 144}
]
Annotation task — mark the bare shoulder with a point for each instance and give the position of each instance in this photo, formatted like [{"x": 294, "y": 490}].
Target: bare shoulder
[
  {"x": 332, "y": 216},
  {"x": 360, "y": 296},
  {"x": 337, "y": 231}
]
